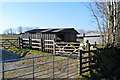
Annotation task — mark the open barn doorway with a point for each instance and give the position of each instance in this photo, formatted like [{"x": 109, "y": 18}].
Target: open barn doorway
[{"x": 60, "y": 37}]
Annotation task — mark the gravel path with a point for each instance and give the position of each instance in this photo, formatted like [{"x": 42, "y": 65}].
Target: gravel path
[{"x": 7, "y": 55}]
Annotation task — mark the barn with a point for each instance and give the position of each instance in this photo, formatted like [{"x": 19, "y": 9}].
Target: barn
[
  {"x": 92, "y": 37},
  {"x": 59, "y": 34}
]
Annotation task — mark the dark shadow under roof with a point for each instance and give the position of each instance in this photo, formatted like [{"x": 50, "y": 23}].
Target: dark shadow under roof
[
  {"x": 57, "y": 30},
  {"x": 35, "y": 30}
]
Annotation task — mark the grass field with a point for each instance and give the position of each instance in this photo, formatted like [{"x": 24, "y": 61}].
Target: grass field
[
  {"x": 4, "y": 36},
  {"x": 34, "y": 53}
]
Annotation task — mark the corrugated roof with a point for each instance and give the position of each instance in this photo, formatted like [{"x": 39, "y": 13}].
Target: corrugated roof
[
  {"x": 35, "y": 30},
  {"x": 47, "y": 30},
  {"x": 57, "y": 30}
]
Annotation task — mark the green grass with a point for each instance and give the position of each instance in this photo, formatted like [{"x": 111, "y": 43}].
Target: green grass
[
  {"x": 31, "y": 53},
  {"x": 8, "y": 36},
  {"x": 34, "y": 53}
]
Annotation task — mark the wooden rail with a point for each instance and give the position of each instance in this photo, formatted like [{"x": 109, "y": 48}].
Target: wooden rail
[
  {"x": 8, "y": 43},
  {"x": 87, "y": 60},
  {"x": 43, "y": 45},
  {"x": 50, "y": 45},
  {"x": 67, "y": 47},
  {"x": 86, "y": 57}
]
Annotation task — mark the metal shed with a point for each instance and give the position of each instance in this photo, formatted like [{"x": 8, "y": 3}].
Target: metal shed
[{"x": 59, "y": 34}]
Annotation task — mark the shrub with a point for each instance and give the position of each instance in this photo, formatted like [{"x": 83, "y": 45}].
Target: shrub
[{"x": 108, "y": 63}]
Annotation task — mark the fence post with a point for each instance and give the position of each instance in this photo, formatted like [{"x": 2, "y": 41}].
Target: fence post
[
  {"x": 80, "y": 62},
  {"x": 54, "y": 46},
  {"x": 30, "y": 42},
  {"x": 19, "y": 43},
  {"x": 3, "y": 76},
  {"x": 68, "y": 66},
  {"x": 89, "y": 55},
  {"x": 22, "y": 42},
  {"x": 86, "y": 46},
  {"x": 53, "y": 57},
  {"x": 33, "y": 68},
  {"x": 53, "y": 66},
  {"x": 41, "y": 44},
  {"x": 95, "y": 45}
]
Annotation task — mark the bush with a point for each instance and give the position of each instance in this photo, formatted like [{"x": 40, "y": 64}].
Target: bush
[{"x": 108, "y": 63}]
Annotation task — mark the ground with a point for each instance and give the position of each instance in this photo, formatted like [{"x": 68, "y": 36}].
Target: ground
[
  {"x": 61, "y": 64},
  {"x": 62, "y": 67}
]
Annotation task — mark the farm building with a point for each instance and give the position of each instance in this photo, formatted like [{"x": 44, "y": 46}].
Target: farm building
[
  {"x": 62, "y": 34},
  {"x": 92, "y": 37}
]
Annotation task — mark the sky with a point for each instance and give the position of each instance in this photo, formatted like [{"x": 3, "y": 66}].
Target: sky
[{"x": 46, "y": 15}]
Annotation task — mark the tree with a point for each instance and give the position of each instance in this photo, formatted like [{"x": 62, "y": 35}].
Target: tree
[
  {"x": 20, "y": 29},
  {"x": 99, "y": 14},
  {"x": 10, "y": 31},
  {"x": 6, "y": 31},
  {"x": 117, "y": 23},
  {"x": 105, "y": 15}
]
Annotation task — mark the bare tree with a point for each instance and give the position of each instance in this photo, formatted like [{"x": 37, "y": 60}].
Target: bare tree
[
  {"x": 99, "y": 14},
  {"x": 6, "y": 31},
  {"x": 117, "y": 22},
  {"x": 104, "y": 14},
  {"x": 20, "y": 29},
  {"x": 10, "y": 31},
  {"x": 28, "y": 28}
]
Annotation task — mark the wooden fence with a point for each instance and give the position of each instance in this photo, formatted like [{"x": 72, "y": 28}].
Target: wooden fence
[
  {"x": 67, "y": 47},
  {"x": 43, "y": 45},
  {"x": 87, "y": 59},
  {"x": 8, "y": 43},
  {"x": 50, "y": 45}
]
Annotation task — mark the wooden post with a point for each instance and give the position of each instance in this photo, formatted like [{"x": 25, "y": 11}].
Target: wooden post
[
  {"x": 87, "y": 45},
  {"x": 30, "y": 42},
  {"x": 80, "y": 62},
  {"x": 89, "y": 55},
  {"x": 53, "y": 58},
  {"x": 19, "y": 46},
  {"x": 54, "y": 48},
  {"x": 83, "y": 35},
  {"x": 22, "y": 42},
  {"x": 95, "y": 45},
  {"x": 42, "y": 49}
]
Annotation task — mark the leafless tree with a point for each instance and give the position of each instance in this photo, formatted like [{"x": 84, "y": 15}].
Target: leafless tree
[
  {"x": 20, "y": 29},
  {"x": 10, "y": 31},
  {"x": 104, "y": 13}
]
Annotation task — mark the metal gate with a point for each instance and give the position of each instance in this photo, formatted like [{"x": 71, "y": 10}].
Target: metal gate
[{"x": 52, "y": 66}]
